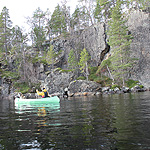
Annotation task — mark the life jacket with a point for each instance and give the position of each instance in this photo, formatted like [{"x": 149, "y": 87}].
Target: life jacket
[{"x": 45, "y": 93}]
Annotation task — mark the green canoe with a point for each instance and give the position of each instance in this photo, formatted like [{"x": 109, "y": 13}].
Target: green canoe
[
  {"x": 50, "y": 103},
  {"x": 51, "y": 100}
]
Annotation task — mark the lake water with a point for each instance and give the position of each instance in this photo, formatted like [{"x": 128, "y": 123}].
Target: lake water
[{"x": 108, "y": 122}]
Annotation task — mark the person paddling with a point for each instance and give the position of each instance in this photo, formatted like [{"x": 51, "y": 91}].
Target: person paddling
[
  {"x": 65, "y": 94},
  {"x": 44, "y": 93}
]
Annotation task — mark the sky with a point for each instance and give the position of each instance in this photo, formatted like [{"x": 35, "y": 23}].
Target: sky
[{"x": 20, "y": 9}]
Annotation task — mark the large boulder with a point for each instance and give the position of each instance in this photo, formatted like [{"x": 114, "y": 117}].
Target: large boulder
[{"x": 81, "y": 86}]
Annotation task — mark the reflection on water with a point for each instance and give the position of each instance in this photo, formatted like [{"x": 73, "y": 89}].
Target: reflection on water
[{"x": 107, "y": 122}]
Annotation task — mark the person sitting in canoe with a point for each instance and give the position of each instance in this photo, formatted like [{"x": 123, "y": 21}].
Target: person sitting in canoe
[
  {"x": 44, "y": 93},
  {"x": 20, "y": 95}
]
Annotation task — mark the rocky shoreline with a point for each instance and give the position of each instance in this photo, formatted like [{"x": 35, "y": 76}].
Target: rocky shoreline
[
  {"x": 104, "y": 90},
  {"x": 87, "y": 88}
]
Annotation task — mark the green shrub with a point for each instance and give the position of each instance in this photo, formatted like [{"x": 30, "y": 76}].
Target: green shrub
[
  {"x": 43, "y": 60},
  {"x": 92, "y": 77},
  {"x": 81, "y": 78},
  {"x": 103, "y": 80},
  {"x": 22, "y": 87},
  {"x": 10, "y": 75},
  {"x": 141, "y": 86},
  {"x": 131, "y": 83},
  {"x": 92, "y": 72},
  {"x": 63, "y": 70},
  {"x": 34, "y": 60},
  {"x": 25, "y": 88},
  {"x": 114, "y": 86},
  {"x": 57, "y": 69}
]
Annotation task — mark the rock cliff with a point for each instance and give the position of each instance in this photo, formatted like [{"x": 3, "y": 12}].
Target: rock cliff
[
  {"x": 139, "y": 26},
  {"x": 94, "y": 40}
]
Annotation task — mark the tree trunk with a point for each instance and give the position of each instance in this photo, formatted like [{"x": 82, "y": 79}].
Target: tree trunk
[
  {"x": 110, "y": 74},
  {"x": 87, "y": 71}
]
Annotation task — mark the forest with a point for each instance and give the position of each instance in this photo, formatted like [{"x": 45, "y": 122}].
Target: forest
[{"x": 47, "y": 26}]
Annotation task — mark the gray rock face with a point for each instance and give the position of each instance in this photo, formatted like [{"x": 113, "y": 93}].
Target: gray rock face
[
  {"x": 33, "y": 72},
  {"x": 5, "y": 87},
  {"x": 94, "y": 41},
  {"x": 92, "y": 38},
  {"x": 84, "y": 86},
  {"x": 57, "y": 81},
  {"x": 139, "y": 25}
]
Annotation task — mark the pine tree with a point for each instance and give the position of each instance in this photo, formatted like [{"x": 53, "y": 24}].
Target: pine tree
[
  {"x": 75, "y": 19},
  {"x": 37, "y": 23},
  {"x": 5, "y": 29},
  {"x": 97, "y": 12},
  {"x": 87, "y": 11},
  {"x": 84, "y": 57},
  {"x": 119, "y": 40},
  {"x": 1, "y": 36},
  {"x": 18, "y": 37},
  {"x": 72, "y": 61},
  {"x": 102, "y": 10},
  {"x": 50, "y": 58},
  {"x": 139, "y": 4},
  {"x": 65, "y": 11},
  {"x": 57, "y": 23}
]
